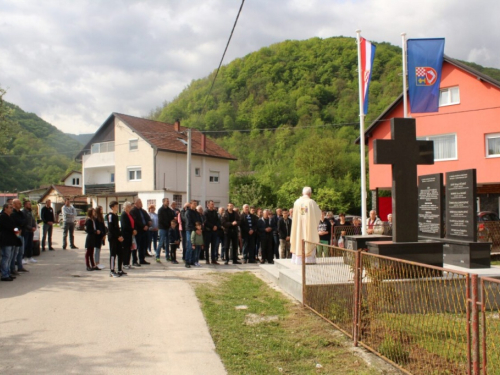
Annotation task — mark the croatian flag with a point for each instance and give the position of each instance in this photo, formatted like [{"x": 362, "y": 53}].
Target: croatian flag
[
  {"x": 425, "y": 61},
  {"x": 367, "y": 55}
]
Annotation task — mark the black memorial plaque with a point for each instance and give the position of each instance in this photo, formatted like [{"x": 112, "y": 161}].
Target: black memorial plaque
[
  {"x": 461, "y": 216},
  {"x": 430, "y": 205}
]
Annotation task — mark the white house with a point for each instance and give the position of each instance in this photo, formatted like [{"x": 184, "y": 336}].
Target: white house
[
  {"x": 73, "y": 178},
  {"x": 131, "y": 157}
]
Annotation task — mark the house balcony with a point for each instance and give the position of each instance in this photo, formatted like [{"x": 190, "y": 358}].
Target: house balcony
[
  {"x": 100, "y": 189},
  {"x": 98, "y": 160}
]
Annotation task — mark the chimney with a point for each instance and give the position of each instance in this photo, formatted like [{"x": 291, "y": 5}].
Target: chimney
[
  {"x": 203, "y": 142},
  {"x": 177, "y": 125}
]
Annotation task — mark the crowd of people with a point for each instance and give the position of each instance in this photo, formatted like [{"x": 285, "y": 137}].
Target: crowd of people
[
  {"x": 17, "y": 226},
  {"x": 249, "y": 235}
]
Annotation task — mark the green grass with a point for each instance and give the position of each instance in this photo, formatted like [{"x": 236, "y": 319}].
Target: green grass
[
  {"x": 495, "y": 262},
  {"x": 293, "y": 344}
]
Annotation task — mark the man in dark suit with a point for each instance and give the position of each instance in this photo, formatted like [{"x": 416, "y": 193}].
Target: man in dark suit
[
  {"x": 115, "y": 240},
  {"x": 266, "y": 238},
  {"x": 248, "y": 225},
  {"x": 284, "y": 232},
  {"x": 212, "y": 225},
  {"x": 142, "y": 221},
  {"x": 230, "y": 224},
  {"x": 48, "y": 218},
  {"x": 276, "y": 239}
]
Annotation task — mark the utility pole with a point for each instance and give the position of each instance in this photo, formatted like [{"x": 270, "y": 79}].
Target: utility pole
[{"x": 188, "y": 189}]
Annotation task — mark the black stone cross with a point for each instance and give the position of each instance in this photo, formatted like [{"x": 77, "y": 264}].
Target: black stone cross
[{"x": 404, "y": 152}]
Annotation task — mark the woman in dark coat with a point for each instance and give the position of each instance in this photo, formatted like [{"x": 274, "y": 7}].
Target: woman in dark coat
[
  {"x": 99, "y": 222},
  {"x": 128, "y": 232},
  {"x": 90, "y": 242}
]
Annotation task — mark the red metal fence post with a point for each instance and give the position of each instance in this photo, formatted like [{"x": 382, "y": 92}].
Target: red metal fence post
[
  {"x": 483, "y": 336},
  {"x": 357, "y": 294},
  {"x": 303, "y": 273},
  {"x": 475, "y": 326},
  {"x": 468, "y": 309}
]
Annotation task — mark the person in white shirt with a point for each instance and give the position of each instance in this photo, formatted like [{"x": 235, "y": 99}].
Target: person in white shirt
[
  {"x": 69, "y": 215},
  {"x": 373, "y": 224}
]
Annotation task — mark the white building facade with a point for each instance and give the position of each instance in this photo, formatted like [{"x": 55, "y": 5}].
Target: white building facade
[{"x": 131, "y": 158}]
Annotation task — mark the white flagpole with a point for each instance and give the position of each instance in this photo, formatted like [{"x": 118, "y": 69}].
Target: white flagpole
[
  {"x": 362, "y": 139},
  {"x": 405, "y": 96}
]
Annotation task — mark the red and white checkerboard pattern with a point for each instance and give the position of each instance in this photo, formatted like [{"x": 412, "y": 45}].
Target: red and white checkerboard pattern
[{"x": 420, "y": 71}]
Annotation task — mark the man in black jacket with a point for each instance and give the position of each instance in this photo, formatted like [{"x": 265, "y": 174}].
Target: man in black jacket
[
  {"x": 28, "y": 230},
  {"x": 266, "y": 237},
  {"x": 192, "y": 217},
  {"x": 142, "y": 221},
  {"x": 8, "y": 240},
  {"x": 183, "y": 229},
  {"x": 212, "y": 225},
  {"x": 230, "y": 224},
  {"x": 276, "y": 239},
  {"x": 115, "y": 240},
  {"x": 165, "y": 217},
  {"x": 284, "y": 232},
  {"x": 48, "y": 219},
  {"x": 19, "y": 221},
  {"x": 248, "y": 225}
]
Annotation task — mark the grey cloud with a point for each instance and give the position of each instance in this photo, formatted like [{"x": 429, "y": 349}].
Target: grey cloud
[{"x": 73, "y": 63}]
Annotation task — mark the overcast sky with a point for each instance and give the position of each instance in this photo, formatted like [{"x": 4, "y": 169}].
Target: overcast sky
[{"x": 74, "y": 62}]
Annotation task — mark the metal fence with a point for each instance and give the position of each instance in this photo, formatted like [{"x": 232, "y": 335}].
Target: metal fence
[
  {"x": 422, "y": 319},
  {"x": 489, "y": 231}
]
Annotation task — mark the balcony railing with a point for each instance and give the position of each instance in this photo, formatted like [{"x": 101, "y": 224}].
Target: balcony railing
[{"x": 101, "y": 189}]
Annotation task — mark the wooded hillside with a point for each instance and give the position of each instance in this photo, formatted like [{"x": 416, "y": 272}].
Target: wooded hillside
[
  {"x": 32, "y": 151},
  {"x": 309, "y": 91}
]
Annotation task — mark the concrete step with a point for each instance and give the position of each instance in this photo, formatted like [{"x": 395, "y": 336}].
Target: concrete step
[
  {"x": 291, "y": 282},
  {"x": 270, "y": 272},
  {"x": 286, "y": 275}
]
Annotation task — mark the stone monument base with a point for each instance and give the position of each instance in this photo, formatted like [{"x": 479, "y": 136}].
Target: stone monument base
[
  {"x": 427, "y": 252},
  {"x": 468, "y": 254},
  {"x": 358, "y": 242}
]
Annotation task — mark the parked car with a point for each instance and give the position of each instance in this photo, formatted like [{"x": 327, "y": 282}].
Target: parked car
[
  {"x": 80, "y": 215},
  {"x": 80, "y": 223},
  {"x": 487, "y": 216}
]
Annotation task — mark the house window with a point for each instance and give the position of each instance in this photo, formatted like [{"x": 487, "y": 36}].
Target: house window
[
  {"x": 493, "y": 145},
  {"x": 214, "y": 177},
  {"x": 445, "y": 146},
  {"x": 197, "y": 172},
  {"x": 134, "y": 174},
  {"x": 449, "y": 96},
  {"x": 112, "y": 177},
  {"x": 133, "y": 144},
  {"x": 177, "y": 198},
  {"x": 76, "y": 182},
  {"x": 151, "y": 202},
  {"x": 97, "y": 148}
]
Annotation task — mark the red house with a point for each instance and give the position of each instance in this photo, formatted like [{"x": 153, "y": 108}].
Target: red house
[{"x": 465, "y": 131}]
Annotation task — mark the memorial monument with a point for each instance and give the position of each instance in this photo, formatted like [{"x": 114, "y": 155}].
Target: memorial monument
[{"x": 404, "y": 152}]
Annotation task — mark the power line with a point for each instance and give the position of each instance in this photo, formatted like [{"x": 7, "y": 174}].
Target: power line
[
  {"x": 165, "y": 134},
  {"x": 224, "y": 54}
]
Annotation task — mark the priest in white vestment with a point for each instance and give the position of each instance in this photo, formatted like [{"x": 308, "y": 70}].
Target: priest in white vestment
[{"x": 306, "y": 216}]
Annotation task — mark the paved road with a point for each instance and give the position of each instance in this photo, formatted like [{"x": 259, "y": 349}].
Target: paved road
[{"x": 61, "y": 319}]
